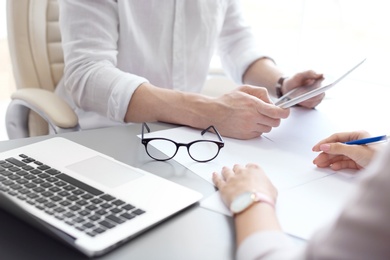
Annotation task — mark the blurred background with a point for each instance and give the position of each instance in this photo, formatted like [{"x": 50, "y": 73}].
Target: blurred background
[{"x": 326, "y": 35}]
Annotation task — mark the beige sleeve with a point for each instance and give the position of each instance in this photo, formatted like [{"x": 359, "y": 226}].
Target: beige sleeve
[{"x": 362, "y": 231}]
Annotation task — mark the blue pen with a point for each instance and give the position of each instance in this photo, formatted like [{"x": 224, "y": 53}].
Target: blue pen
[{"x": 369, "y": 140}]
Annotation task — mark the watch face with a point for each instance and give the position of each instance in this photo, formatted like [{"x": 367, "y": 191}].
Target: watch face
[{"x": 241, "y": 202}]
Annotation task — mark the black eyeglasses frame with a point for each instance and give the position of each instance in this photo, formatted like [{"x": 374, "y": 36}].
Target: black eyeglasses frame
[{"x": 220, "y": 143}]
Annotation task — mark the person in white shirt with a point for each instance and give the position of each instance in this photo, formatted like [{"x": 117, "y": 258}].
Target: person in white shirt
[
  {"x": 361, "y": 231},
  {"x": 143, "y": 61}
]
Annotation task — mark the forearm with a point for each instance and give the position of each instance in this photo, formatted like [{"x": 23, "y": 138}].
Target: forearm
[
  {"x": 263, "y": 72},
  {"x": 150, "y": 103},
  {"x": 259, "y": 217}
]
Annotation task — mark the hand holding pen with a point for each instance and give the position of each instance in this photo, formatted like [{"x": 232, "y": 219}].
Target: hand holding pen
[{"x": 337, "y": 154}]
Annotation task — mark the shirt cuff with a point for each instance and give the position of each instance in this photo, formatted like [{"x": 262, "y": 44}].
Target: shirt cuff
[{"x": 268, "y": 245}]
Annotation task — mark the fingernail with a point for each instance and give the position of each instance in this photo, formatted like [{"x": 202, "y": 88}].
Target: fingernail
[{"x": 325, "y": 147}]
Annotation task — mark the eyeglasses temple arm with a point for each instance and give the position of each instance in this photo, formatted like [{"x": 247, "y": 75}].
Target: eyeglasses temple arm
[
  {"x": 215, "y": 130},
  {"x": 147, "y": 128}
]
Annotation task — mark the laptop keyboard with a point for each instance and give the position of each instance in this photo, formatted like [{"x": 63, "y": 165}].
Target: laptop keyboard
[{"x": 77, "y": 204}]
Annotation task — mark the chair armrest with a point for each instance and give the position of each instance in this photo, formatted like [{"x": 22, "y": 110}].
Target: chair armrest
[{"x": 55, "y": 111}]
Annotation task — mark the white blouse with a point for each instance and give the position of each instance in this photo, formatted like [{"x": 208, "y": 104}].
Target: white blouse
[{"x": 113, "y": 46}]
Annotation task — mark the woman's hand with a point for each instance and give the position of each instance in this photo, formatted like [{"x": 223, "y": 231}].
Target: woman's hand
[
  {"x": 240, "y": 179},
  {"x": 337, "y": 155}
]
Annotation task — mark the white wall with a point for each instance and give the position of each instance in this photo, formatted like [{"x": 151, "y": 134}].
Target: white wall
[{"x": 325, "y": 35}]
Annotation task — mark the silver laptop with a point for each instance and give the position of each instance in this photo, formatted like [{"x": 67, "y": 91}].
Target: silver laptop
[{"x": 83, "y": 197}]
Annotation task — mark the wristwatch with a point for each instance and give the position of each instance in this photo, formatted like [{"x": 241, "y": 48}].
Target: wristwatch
[
  {"x": 247, "y": 199},
  {"x": 278, "y": 87}
]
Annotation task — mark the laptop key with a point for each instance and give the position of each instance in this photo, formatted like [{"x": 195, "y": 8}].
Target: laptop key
[
  {"x": 79, "y": 184},
  {"x": 54, "y": 189},
  {"x": 22, "y": 173},
  {"x": 32, "y": 195},
  {"x": 69, "y": 188},
  {"x": 78, "y": 220},
  {"x": 91, "y": 234},
  {"x": 8, "y": 182},
  {"x": 69, "y": 214},
  {"x": 99, "y": 230},
  {"x": 24, "y": 191},
  {"x": 74, "y": 208},
  {"x": 30, "y": 177},
  {"x": 96, "y": 201},
  {"x": 27, "y": 168},
  {"x": 7, "y": 165},
  {"x": 127, "y": 216},
  {"x": 12, "y": 193},
  {"x": 14, "y": 177},
  {"x": 15, "y": 162},
  {"x": 16, "y": 187},
  {"x": 35, "y": 172},
  {"x": 84, "y": 213},
  {"x": 43, "y": 167},
  {"x": 38, "y": 181},
  {"x": 94, "y": 217},
  {"x": 107, "y": 224},
  {"x": 52, "y": 171},
  {"x": 52, "y": 179},
  {"x": 41, "y": 200},
  {"x": 138, "y": 212},
  {"x": 65, "y": 203},
  {"x": 107, "y": 197},
  {"x": 39, "y": 189},
  {"x": 115, "y": 219},
  {"x": 87, "y": 196},
  {"x": 6, "y": 173},
  {"x": 46, "y": 185},
  {"x": 106, "y": 205},
  {"x": 50, "y": 205},
  {"x": 14, "y": 169},
  {"x": 22, "y": 181},
  {"x": 101, "y": 212},
  {"x": 118, "y": 202}
]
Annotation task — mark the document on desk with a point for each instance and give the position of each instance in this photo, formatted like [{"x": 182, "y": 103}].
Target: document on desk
[
  {"x": 309, "y": 197},
  {"x": 285, "y": 154}
]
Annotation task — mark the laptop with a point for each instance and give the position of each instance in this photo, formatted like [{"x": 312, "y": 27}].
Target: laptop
[{"x": 84, "y": 198}]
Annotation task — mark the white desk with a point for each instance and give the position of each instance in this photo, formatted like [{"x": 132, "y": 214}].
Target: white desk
[{"x": 196, "y": 233}]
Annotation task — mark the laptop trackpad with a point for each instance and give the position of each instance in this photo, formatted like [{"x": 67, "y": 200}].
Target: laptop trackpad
[{"x": 104, "y": 171}]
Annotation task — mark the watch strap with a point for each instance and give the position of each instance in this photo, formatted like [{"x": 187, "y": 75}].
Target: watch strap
[
  {"x": 278, "y": 87},
  {"x": 256, "y": 197},
  {"x": 262, "y": 197}
]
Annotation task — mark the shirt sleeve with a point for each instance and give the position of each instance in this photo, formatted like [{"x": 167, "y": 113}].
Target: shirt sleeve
[
  {"x": 362, "y": 230},
  {"x": 268, "y": 245},
  {"x": 237, "y": 47},
  {"x": 89, "y": 31}
]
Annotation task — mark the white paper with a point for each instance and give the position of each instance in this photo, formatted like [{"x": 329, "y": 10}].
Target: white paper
[{"x": 309, "y": 197}]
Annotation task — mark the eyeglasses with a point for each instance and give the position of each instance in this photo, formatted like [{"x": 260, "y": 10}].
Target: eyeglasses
[{"x": 199, "y": 150}]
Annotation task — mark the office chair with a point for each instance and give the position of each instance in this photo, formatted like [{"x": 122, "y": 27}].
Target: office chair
[{"x": 37, "y": 61}]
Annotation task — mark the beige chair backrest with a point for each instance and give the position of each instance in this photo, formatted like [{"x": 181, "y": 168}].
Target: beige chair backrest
[{"x": 35, "y": 49}]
